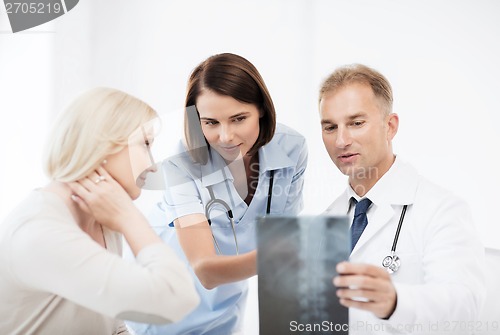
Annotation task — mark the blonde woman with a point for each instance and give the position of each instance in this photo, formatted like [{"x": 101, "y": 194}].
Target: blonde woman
[{"x": 60, "y": 265}]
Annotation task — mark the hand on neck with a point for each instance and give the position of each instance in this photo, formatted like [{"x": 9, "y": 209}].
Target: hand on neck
[{"x": 83, "y": 219}]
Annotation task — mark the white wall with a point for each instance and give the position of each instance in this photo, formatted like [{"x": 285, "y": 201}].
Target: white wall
[
  {"x": 440, "y": 56},
  {"x": 27, "y": 72}
]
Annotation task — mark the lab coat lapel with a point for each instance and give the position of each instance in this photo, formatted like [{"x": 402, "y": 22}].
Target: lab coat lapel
[
  {"x": 381, "y": 216},
  {"x": 340, "y": 206},
  {"x": 396, "y": 188}
]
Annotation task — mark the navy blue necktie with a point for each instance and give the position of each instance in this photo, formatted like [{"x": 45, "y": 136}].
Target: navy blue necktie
[{"x": 360, "y": 220}]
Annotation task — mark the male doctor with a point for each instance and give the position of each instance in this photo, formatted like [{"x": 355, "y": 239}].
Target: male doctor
[{"x": 434, "y": 282}]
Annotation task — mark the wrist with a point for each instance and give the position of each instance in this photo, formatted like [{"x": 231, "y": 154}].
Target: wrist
[
  {"x": 127, "y": 223},
  {"x": 139, "y": 234}
]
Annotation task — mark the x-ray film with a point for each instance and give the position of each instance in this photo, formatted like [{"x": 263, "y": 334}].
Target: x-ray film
[{"x": 296, "y": 263}]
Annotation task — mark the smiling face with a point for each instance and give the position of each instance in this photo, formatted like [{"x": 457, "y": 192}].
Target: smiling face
[
  {"x": 358, "y": 134},
  {"x": 230, "y": 127}
]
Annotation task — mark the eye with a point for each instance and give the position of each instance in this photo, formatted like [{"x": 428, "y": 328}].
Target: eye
[
  {"x": 210, "y": 122},
  {"x": 239, "y": 118},
  {"x": 357, "y": 123},
  {"x": 329, "y": 128}
]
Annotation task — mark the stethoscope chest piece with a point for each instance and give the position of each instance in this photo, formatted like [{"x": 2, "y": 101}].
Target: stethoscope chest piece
[{"x": 391, "y": 263}]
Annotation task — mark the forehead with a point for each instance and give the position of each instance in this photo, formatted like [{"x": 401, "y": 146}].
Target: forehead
[
  {"x": 213, "y": 105},
  {"x": 351, "y": 99},
  {"x": 148, "y": 130}
]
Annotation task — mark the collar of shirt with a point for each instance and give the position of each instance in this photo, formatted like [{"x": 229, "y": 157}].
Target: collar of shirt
[
  {"x": 215, "y": 171},
  {"x": 396, "y": 187},
  {"x": 272, "y": 157}
]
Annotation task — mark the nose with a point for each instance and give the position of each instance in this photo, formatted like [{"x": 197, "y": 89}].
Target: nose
[
  {"x": 226, "y": 134},
  {"x": 153, "y": 168},
  {"x": 343, "y": 138}
]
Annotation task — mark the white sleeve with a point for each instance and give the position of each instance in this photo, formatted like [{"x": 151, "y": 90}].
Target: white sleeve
[{"x": 57, "y": 257}]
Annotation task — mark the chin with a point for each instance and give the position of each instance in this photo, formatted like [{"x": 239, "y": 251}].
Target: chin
[
  {"x": 135, "y": 195},
  {"x": 345, "y": 170},
  {"x": 229, "y": 158},
  {"x": 133, "y": 192}
]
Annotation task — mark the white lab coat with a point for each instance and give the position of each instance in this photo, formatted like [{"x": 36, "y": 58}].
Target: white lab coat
[{"x": 440, "y": 284}]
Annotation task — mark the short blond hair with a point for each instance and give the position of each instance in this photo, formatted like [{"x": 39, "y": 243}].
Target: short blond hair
[
  {"x": 359, "y": 74},
  {"x": 97, "y": 124}
]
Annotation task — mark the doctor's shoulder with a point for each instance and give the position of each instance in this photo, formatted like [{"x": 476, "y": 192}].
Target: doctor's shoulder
[
  {"x": 180, "y": 161},
  {"x": 289, "y": 140},
  {"x": 434, "y": 195},
  {"x": 433, "y": 200}
]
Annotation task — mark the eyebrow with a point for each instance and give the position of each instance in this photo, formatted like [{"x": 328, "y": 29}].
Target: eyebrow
[
  {"x": 350, "y": 118},
  {"x": 357, "y": 115},
  {"x": 231, "y": 117}
]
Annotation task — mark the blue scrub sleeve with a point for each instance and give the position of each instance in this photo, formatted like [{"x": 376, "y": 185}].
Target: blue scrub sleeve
[
  {"x": 295, "y": 201},
  {"x": 182, "y": 194}
]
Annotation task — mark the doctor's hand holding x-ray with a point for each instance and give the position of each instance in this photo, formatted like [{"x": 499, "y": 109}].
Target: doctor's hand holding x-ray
[{"x": 416, "y": 264}]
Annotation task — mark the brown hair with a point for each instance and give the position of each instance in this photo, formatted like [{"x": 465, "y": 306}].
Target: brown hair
[
  {"x": 231, "y": 75},
  {"x": 362, "y": 74}
]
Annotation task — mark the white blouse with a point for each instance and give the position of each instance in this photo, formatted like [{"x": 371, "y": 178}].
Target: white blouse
[{"x": 54, "y": 279}]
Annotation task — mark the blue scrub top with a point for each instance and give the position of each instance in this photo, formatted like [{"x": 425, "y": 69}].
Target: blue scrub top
[{"x": 221, "y": 309}]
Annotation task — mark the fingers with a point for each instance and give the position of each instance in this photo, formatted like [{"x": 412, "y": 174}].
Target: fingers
[
  {"x": 366, "y": 287},
  {"x": 362, "y": 277},
  {"x": 79, "y": 193},
  {"x": 87, "y": 188},
  {"x": 361, "y": 294},
  {"x": 101, "y": 171},
  {"x": 93, "y": 180},
  {"x": 346, "y": 268},
  {"x": 97, "y": 179},
  {"x": 364, "y": 305},
  {"x": 83, "y": 206},
  {"x": 79, "y": 189}
]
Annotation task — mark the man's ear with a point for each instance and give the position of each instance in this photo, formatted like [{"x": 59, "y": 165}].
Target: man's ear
[{"x": 392, "y": 125}]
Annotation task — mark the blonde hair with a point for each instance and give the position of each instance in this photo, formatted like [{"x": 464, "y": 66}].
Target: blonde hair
[
  {"x": 97, "y": 124},
  {"x": 360, "y": 74}
]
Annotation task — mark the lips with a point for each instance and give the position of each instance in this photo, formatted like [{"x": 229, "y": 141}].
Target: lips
[
  {"x": 230, "y": 148},
  {"x": 141, "y": 181},
  {"x": 348, "y": 157}
]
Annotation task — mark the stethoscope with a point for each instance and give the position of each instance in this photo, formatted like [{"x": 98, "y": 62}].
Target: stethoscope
[
  {"x": 392, "y": 262},
  {"x": 214, "y": 202}
]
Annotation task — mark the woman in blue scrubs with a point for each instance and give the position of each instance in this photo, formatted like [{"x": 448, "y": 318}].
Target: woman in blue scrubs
[{"x": 235, "y": 159}]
